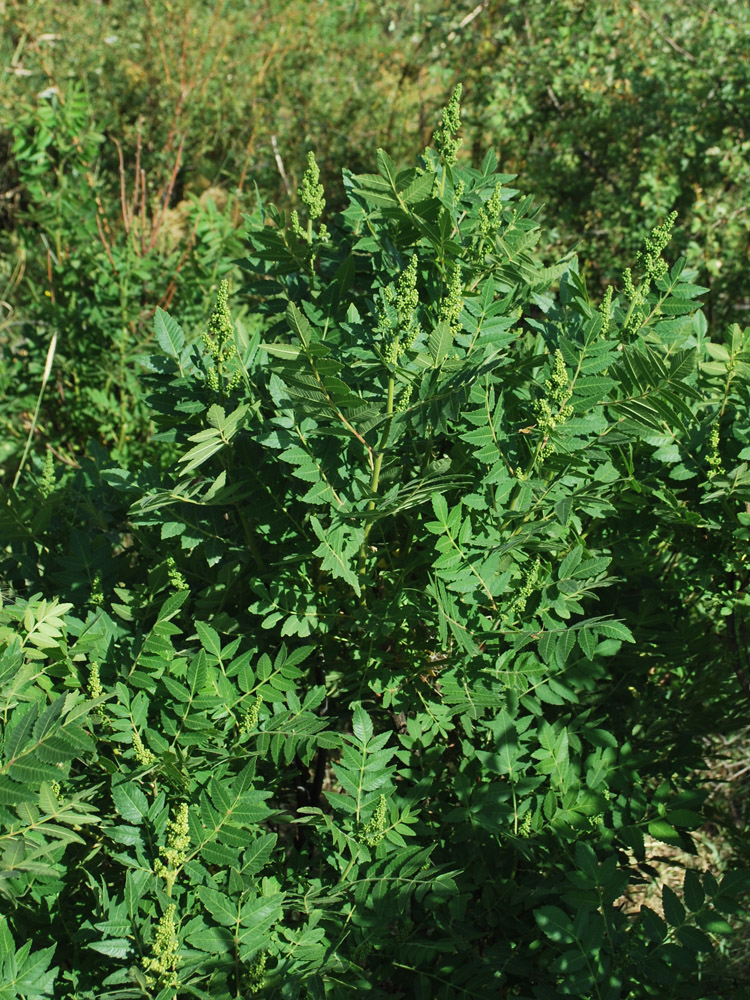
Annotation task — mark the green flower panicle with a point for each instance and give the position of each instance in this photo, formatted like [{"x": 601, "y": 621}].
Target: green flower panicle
[
  {"x": 713, "y": 458},
  {"x": 97, "y": 594},
  {"x": 653, "y": 268},
  {"x": 311, "y": 192},
  {"x": 142, "y": 754},
  {"x": 490, "y": 213},
  {"x": 404, "y": 399},
  {"x": 407, "y": 297},
  {"x": 557, "y": 385},
  {"x": 446, "y": 142},
  {"x": 527, "y": 587},
  {"x": 552, "y": 409},
  {"x": 650, "y": 259},
  {"x": 254, "y": 975},
  {"x": 94, "y": 686},
  {"x": 220, "y": 329},
  {"x": 175, "y": 575},
  {"x": 175, "y": 852},
  {"x": 249, "y": 720},
  {"x": 219, "y": 342},
  {"x": 453, "y": 301},
  {"x": 161, "y": 967},
  {"x": 627, "y": 284},
  {"x": 48, "y": 479},
  {"x": 297, "y": 225},
  {"x": 525, "y": 828},
  {"x": 374, "y": 831},
  {"x": 407, "y": 302}
]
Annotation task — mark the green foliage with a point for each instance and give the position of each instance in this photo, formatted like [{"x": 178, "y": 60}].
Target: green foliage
[
  {"x": 618, "y": 114},
  {"x": 93, "y": 274},
  {"x": 132, "y": 136},
  {"x": 379, "y": 688}
]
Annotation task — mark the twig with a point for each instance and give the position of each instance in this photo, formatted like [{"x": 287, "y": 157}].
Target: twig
[
  {"x": 32, "y": 429},
  {"x": 105, "y": 244},
  {"x": 468, "y": 19},
  {"x": 156, "y": 227},
  {"x": 280, "y": 164},
  {"x": 595, "y": 166},
  {"x": 670, "y": 41},
  {"x": 737, "y": 635},
  {"x": 126, "y": 217}
]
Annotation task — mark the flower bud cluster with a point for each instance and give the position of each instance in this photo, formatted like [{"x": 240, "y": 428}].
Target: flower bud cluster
[
  {"x": 142, "y": 754},
  {"x": 175, "y": 576},
  {"x": 254, "y": 975},
  {"x": 713, "y": 458},
  {"x": 48, "y": 479},
  {"x": 446, "y": 142},
  {"x": 175, "y": 852},
  {"x": 653, "y": 269},
  {"x": 490, "y": 213},
  {"x": 557, "y": 389},
  {"x": 311, "y": 192},
  {"x": 453, "y": 302},
  {"x": 374, "y": 831},
  {"x": 219, "y": 342},
  {"x": 405, "y": 398},
  {"x": 249, "y": 719},
  {"x": 605, "y": 310},
  {"x": 528, "y": 587},
  {"x": 161, "y": 966},
  {"x": 404, "y": 301}
]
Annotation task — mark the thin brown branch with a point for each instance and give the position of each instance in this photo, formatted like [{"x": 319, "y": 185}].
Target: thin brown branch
[
  {"x": 280, "y": 164},
  {"x": 138, "y": 139},
  {"x": 738, "y": 642},
  {"x": 166, "y": 197},
  {"x": 126, "y": 219},
  {"x": 670, "y": 41},
  {"x": 471, "y": 16},
  {"x": 143, "y": 212},
  {"x": 105, "y": 243}
]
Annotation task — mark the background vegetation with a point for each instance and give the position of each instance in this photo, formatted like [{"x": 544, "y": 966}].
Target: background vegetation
[{"x": 159, "y": 642}]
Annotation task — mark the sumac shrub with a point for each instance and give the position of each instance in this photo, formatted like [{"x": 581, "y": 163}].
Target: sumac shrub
[{"x": 380, "y": 690}]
